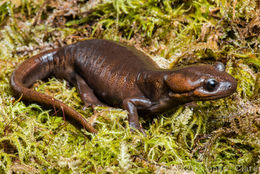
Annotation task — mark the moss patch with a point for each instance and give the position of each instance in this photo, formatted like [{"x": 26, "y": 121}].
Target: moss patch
[{"x": 217, "y": 136}]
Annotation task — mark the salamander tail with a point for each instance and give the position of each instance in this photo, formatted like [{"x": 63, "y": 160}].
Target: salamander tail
[{"x": 37, "y": 68}]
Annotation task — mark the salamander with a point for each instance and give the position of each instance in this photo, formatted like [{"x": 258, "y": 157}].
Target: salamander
[{"x": 110, "y": 73}]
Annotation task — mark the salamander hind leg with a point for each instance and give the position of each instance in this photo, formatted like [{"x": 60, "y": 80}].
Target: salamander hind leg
[{"x": 87, "y": 94}]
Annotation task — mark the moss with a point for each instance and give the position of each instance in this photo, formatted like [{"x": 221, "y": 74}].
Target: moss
[{"x": 215, "y": 137}]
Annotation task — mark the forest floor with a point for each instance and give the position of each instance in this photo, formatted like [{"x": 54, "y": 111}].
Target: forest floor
[{"x": 221, "y": 136}]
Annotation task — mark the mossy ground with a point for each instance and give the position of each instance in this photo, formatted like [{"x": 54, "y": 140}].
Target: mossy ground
[{"x": 220, "y": 136}]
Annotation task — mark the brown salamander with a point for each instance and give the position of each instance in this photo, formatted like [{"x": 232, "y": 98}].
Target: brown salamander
[{"x": 110, "y": 73}]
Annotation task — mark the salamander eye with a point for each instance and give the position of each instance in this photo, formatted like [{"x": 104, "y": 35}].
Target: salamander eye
[{"x": 211, "y": 84}]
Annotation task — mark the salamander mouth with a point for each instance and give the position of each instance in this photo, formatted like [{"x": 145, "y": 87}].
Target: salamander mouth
[
  {"x": 214, "y": 96},
  {"x": 188, "y": 96}
]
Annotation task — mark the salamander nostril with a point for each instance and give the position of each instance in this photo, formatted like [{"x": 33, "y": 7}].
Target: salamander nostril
[{"x": 229, "y": 85}]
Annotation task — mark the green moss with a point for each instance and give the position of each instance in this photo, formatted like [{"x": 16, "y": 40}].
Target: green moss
[{"x": 215, "y": 137}]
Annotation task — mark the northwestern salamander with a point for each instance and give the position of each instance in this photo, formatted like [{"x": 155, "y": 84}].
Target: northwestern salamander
[{"x": 110, "y": 73}]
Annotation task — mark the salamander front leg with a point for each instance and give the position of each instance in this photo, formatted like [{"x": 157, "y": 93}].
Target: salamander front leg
[
  {"x": 131, "y": 105},
  {"x": 87, "y": 94}
]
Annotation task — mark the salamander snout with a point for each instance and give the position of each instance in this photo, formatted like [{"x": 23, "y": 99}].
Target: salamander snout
[
  {"x": 201, "y": 82},
  {"x": 216, "y": 88},
  {"x": 212, "y": 85}
]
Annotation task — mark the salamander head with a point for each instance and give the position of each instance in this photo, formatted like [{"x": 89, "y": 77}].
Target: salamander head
[{"x": 200, "y": 82}]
